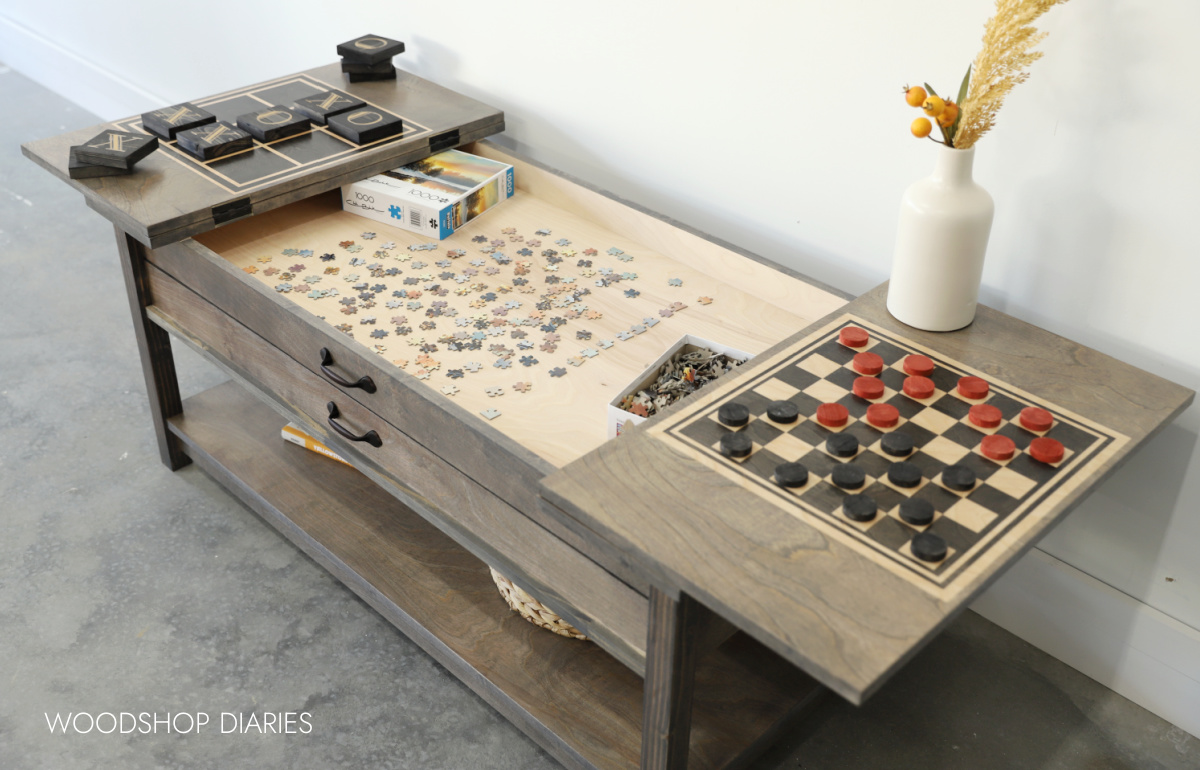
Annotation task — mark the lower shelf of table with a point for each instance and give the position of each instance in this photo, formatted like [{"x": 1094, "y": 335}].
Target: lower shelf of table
[{"x": 576, "y": 701}]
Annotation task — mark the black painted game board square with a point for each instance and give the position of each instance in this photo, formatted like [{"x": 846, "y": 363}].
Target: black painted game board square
[
  {"x": 893, "y": 378},
  {"x": 310, "y": 147},
  {"x": 873, "y": 464},
  {"x": 818, "y": 463},
  {"x": 251, "y": 166},
  {"x": 823, "y": 496},
  {"x": 1072, "y": 438},
  {"x": 888, "y": 352},
  {"x": 994, "y": 500},
  {"x": 905, "y": 406},
  {"x": 888, "y": 532},
  {"x": 940, "y": 499},
  {"x": 920, "y": 436},
  {"x": 981, "y": 466},
  {"x": 964, "y": 435},
  {"x": 865, "y": 434},
  {"x": 811, "y": 432},
  {"x": 1009, "y": 407},
  {"x": 286, "y": 93},
  {"x": 763, "y": 463},
  {"x": 755, "y": 402},
  {"x": 956, "y": 535},
  {"x": 945, "y": 379},
  {"x": 703, "y": 431},
  {"x": 229, "y": 109},
  {"x": 884, "y": 496},
  {"x": 953, "y": 406},
  {"x": 1020, "y": 436},
  {"x": 930, "y": 466},
  {"x": 857, "y": 407},
  {"x": 762, "y": 431},
  {"x": 843, "y": 377},
  {"x": 796, "y": 377},
  {"x": 836, "y": 351},
  {"x": 1032, "y": 469}
]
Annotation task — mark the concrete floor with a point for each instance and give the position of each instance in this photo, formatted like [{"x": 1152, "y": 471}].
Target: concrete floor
[{"x": 124, "y": 587}]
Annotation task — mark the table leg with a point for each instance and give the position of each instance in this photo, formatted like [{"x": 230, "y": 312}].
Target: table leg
[
  {"x": 671, "y": 649},
  {"x": 154, "y": 346}
]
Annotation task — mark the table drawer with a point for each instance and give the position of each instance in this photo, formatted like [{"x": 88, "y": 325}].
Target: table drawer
[{"x": 602, "y": 606}]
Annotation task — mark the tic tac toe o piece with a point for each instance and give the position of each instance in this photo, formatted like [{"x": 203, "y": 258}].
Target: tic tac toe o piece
[
  {"x": 791, "y": 475},
  {"x": 883, "y": 415},
  {"x": 917, "y": 512},
  {"x": 868, "y": 363},
  {"x": 783, "y": 412},
  {"x": 928, "y": 547},
  {"x": 1036, "y": 420},
  {"x": 859, "y": 507},
  {"x": 736, "y": 445},
  {"x": 918, "y": 387},
  {"x": 998, "y": 447},
  {"x": 973, "y": 387},
  {"x": 849, "y": 476},
  {"x": 985, "y": 416},
  {"x": 897, "y": 444},
  {"x": 1046, "y": 450},
  {"x": 905, "y": 475},
  {"x": 960, "y": 478},
  {"x": 853, "y": 337},
  {"x": 733, "y": 414},
  {"x": 842, "y": 445},
  {"x": 832, "y": 415},
  {"x": 869, "y": 388},
  {"x": 921, "y": 366}
]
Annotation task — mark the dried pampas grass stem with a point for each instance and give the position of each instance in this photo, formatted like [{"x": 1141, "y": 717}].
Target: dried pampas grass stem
[{"x": 1008, "y": 40}]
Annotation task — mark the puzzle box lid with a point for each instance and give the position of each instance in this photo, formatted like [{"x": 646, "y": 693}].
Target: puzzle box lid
[{"x": 172, "y": 196}]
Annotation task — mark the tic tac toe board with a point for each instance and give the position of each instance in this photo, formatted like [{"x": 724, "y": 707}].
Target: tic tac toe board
[
  {"x": 1005, "y": 502},
  {"x": 172, "y": 195},
  {"x": 846, "y": 600}
]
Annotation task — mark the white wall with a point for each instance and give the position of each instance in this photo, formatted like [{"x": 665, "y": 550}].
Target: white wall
[{"x": 794, "y": 110}]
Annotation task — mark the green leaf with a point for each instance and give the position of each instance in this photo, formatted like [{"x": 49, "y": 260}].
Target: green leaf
[
  {"x": 929, "y": 89},
  {"x": 962, "y": 90}
]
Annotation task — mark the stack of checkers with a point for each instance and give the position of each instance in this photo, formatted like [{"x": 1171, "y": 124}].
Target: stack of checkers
[
  {"x": 897, "y": 460},
  {"x": 109, "y": 153},
  {"x": 369, "y": 58}
]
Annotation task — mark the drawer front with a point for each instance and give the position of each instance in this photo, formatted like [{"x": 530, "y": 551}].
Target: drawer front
[{"x": 602, "y": 606}]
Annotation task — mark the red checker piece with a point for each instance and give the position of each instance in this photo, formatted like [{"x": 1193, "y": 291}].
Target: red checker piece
[
  {"x": 832, "y": 415},
  {"x": 1046, "y": 450},
  {"x": 868, "y": 363},
  {"x": 998, "y": 447},
  {"x": 922, "y": 366},
  {"x": 1036, "y": 420},
  {"x": 918, "y": 387},
  {"x": 853, "y": 337},
  {"x": 883, "y": 415},
  {"x": 973, "y": 387},
  {"x": 985, "y": 416},
  {"x": 869, "y": 388}
]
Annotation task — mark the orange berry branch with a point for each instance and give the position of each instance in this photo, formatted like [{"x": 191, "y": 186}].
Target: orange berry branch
[{"x": 937, "y": 110}]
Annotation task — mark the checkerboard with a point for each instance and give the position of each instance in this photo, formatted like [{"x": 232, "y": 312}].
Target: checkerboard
[{"x": 1004, "y": 501}]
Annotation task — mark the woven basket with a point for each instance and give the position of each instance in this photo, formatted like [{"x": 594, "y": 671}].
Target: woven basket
[{"x": 533, "y": 610}]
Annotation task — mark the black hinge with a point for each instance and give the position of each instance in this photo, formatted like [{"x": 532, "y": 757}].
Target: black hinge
[
  {"x": 227, "y": 212},
  {"x": 443, "y": 141}
]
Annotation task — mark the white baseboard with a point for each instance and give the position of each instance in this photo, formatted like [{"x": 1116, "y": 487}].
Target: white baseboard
[
  {"x": 93, "y": 88},
  {"x": 1132, "y": 648}
]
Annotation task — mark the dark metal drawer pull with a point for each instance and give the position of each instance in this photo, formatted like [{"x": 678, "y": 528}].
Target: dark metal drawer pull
[
  {"x": 364, "y": 382},
  {"x": 371, "y": 437}
]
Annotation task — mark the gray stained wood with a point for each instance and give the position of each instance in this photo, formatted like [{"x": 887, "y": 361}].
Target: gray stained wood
[
  {"x": 577, "y": 702},
  {"x": 843, "y": 617},
  {"x": 169, "y": 197},
  {"x": 588, "y": 597},
  {"x": 671, "y": 651},
  {"x": 154, "y": 348}
]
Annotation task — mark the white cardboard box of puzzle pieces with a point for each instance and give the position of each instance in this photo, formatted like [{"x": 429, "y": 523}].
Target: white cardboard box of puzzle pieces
[
  {"x": 434, "y": 196},
  {"x": 619, "y": 419}
]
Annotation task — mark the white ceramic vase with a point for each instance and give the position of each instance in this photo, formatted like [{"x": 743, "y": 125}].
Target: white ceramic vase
[{"x": 941, "y": 241}]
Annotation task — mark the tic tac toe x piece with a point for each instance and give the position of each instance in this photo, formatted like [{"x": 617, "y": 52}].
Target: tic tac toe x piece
[
  {"x": 117, "y": 149},
  {"x": 169, "y": 121},
  {"x": 319, "y": 107},
  {"x": 274, "y": 123},
  {"x": 77, "y": 169},
  {"x": 370, "y": 49},
  {"x": 215, "y": 140},
  {"x": 365, "y": 125}
]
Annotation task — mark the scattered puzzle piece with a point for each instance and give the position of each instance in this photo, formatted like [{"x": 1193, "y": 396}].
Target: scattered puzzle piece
[
  {"x": 449, "y": 390},
  {"x": 522, "y": 387},
  {"x": 705, "y": 300},
  {"x": 557, "y": 371},
  {"x": 491, "y": 414}
]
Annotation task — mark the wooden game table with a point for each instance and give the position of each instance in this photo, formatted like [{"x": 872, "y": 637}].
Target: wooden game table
[{"x": 715, "y": 617}]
